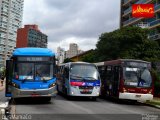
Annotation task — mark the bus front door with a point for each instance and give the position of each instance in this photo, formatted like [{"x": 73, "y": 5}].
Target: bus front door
[
  {"x": 9, "y": 76},
  {"x": 116, "y": 81}
]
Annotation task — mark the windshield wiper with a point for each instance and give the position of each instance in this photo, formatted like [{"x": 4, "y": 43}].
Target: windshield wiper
[{"x": 75, "y": 75}]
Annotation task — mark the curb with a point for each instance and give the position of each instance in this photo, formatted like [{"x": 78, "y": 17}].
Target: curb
[{"x": 155, "y": 106}]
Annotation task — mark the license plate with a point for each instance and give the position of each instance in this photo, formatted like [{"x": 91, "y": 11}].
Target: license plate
[
  {"x": 85, "y": 90},
  {"x": 35, "y": 95},
  {"x": 138, "y": 95}
]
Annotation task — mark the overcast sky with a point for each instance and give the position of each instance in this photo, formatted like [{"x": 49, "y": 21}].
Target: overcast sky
[{"x": 72, "y": 21}]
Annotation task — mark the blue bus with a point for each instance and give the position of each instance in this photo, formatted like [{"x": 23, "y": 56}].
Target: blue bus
[
  {"x": 31, "y": 73},
  {"x": 78, "y": 79}
]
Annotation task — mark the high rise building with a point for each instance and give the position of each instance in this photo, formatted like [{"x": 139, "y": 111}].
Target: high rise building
[
  {"x": 60, "y": 55},
  {"x": 11, "y": 12},
  {"x": 153, "y": 24},
  {"x": 73, "y": 50},
  {"x": 31, "y": 36}
]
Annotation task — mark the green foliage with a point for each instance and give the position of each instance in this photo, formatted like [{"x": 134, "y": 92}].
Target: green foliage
[
  {"x": 2, "y": 71},
  {"x": 156, "y": 78},
  {"x": 127, "y": 42},
  {"x": 67, "y": 60},
  {"x": 90, "y": 57}
]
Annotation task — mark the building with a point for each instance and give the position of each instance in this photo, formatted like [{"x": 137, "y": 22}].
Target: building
[
  {"x": 153, "y": 24},
  {"x": 81, "y": 55},
  {"x": 73, "y": 50},
  {"x": 60, "y": 55},
  {"x": 11, "y": 12},
  {"x": 31, "y": 36}
]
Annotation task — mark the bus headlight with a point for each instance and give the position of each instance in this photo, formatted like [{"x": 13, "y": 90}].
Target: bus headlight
[
  {"x": 15, "y": 85},
  {"x": 150, "y": 92},
  {"x": 124, "y": 90},
  {"x": 52, "y": 85}
]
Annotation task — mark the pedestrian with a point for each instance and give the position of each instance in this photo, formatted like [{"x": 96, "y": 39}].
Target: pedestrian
[{"x": 2, "y": 80}]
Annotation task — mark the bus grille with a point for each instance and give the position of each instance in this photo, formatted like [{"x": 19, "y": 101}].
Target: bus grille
[
  {"x": 86, "y": 92},
  {"x": 85, "y": 87}
]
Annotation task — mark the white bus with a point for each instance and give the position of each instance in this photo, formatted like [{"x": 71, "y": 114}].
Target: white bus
[{"x": 78, "y": 79}]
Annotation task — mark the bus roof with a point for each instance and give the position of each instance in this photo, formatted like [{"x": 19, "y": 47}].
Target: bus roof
[
  {"x": 78, "y": 62},
  {"x": 119, "y": 61},
  {"x": 33, "y": 52}
]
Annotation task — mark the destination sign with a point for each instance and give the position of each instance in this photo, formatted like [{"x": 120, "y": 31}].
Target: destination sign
[
  {"x": 34, "y": 58},
  {"x": 137, "y": 64}
]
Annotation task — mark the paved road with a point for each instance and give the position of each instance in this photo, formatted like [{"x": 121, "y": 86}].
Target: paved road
[{"x": 61, "y": 108}]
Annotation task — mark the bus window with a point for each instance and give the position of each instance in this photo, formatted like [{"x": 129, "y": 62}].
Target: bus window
[
  {"x": 88, "y": 72},
  {"x": 145, "y": 78},
  {"x": 137, "y": 77},
  {"x": 43, "y": 72},
  {"x": 109, "y": 74},
  {"x": 102, "y": 71},
  {"x": 25, "y": 71}
]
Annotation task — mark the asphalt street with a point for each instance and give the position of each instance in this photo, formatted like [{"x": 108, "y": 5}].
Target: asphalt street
[{"x": 62, "y": 108}]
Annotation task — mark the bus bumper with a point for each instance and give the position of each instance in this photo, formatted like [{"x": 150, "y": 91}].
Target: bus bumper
[
  {"x": 135, "y": 96},
  {"x": 75, "y": 91},
  {"x": 17, "y": 93}
]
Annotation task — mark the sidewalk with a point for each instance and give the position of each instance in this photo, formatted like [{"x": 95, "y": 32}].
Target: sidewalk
[
  {"x": 2, "y": 87},
  {"x": 155, "y": 102},
  {"x": 3, "y": 100}
]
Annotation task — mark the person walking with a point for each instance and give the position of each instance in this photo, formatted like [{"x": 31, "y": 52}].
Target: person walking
[{"x": 2, "y": 80}]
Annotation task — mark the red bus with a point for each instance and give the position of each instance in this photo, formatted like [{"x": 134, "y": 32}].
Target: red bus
[{"x": 126, "y": 79}]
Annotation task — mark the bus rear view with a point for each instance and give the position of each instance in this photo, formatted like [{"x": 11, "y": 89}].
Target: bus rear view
[{"x": 30, "y": 73}]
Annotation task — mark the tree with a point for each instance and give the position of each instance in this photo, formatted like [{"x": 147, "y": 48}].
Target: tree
[
  {"x": 127, "y": 42},
  {"x": 130, "y": 43},
  {"x": 90, "y": 57},
  {"x": 67, "y": 60}
]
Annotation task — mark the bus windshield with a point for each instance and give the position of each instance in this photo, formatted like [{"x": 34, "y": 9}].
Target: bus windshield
[
  {"x": 83, "y": 72},
  {"x": 34, "y": 71},
  {"x": 138, "y": 77}
]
